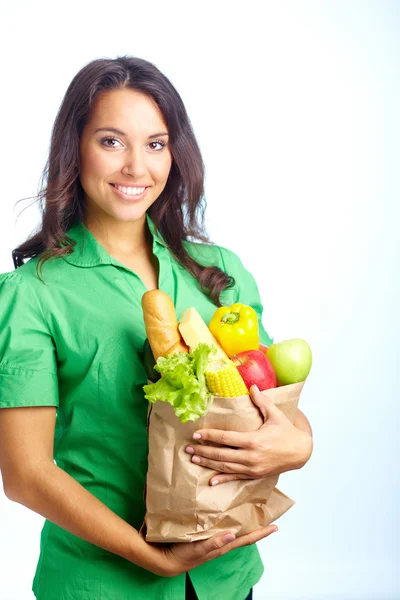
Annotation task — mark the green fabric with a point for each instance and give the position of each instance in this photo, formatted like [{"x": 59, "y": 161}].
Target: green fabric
[{"x": 74, "y": 343}]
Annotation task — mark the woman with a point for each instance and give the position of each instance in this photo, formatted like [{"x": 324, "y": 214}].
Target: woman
[{"x": 124, "y": 193}]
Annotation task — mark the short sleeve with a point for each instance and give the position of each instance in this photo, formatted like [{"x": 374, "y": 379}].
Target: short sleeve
[
  {"x": 246, "y": 289},
  {"x": 28, "y": 366}
]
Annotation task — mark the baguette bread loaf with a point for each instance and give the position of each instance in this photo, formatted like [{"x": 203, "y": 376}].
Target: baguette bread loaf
[{"x": 161, "y": 324}]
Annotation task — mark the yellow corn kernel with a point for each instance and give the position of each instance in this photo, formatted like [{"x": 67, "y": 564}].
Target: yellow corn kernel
[{"x": 223, "y": 379}]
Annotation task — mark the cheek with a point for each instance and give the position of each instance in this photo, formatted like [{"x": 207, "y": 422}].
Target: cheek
[
  {"x": 94, "y": 165},
  {"x": 163, "y": 167}
]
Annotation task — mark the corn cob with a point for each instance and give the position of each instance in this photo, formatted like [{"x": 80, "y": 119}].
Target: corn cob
[{"x": 223, "y": 379}]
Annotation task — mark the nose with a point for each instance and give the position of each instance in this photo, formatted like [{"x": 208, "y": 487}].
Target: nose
[{"x": 134, "y": 163}]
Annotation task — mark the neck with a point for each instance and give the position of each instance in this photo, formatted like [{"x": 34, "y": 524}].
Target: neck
[{"x": 118, "y": 236}]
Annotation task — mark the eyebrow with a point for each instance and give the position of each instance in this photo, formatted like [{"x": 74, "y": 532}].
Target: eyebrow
[{"x": 119, "y": 132}]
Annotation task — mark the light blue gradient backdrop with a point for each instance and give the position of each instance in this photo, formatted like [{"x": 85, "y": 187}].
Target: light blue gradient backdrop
[{"x": 296, "y": 109}]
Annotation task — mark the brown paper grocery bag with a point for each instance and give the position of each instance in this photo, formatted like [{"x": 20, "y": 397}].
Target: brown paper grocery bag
[{"x": 181, "y": 505}]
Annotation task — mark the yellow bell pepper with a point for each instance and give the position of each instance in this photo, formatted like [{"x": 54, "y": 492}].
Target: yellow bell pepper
[{"x": 235, "y": 328}]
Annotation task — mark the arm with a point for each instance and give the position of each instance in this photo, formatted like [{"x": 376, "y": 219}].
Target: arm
[
  {"x": 31, "y": 478},
  {"x": 302, "y": 423}
]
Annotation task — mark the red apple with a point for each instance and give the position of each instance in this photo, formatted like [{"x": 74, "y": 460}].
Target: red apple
[
  {"x": 255, "y": 368},
  {"x": 263, "y": 348}
]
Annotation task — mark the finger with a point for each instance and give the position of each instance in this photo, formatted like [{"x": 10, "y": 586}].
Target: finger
[
  {"x": 264, "y": 404},
  {"x": 244, "y": 540},
  {"x": 251, "y": 538},
  {"x": 226, "y": 438},
  {"x": 213, "y": 545},
  {"x": 221, "y": 467},
  {"x": 220, "y": 454},
  {"x": 225, "y": 477}
]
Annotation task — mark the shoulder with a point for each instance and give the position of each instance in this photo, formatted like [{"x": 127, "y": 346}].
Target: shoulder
[
  {"x": 25, "y": 276},
  {"x": 23, "y": 289},
  {"x": 213, "y": 255},
  {"x": 229, "y": 262},
  {"x": 206, "y": 254},
  {"x": 29, "y": 275},
  {"x": 17, "y": 292},
  {"x": 11, "y": 278},
  {"x": 224, "y": 258}
]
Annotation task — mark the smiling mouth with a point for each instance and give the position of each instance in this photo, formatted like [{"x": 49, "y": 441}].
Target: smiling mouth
[
  {"x": 130, "y": 190},
  {"x": 132, "y": 194}
]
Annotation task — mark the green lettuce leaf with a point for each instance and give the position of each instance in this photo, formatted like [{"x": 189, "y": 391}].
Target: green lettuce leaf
[{"x": 183, "y": 382}]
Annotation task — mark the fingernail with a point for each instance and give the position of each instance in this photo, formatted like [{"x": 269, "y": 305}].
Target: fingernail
[
  {"x": 274, "y": 530},
  {"x": 195, "y": 459},
  {"x": 229, "y": 537},
  {"x": 197, "y": 436},
  {"x": 189, "y": 449},
  {"x": 215, "y": 482},
  {"x": 255, "y": 388}
]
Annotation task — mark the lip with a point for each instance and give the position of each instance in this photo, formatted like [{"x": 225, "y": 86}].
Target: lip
[
  {"x": 128, "y": 197},
  {"x": 130, "y": 184}
]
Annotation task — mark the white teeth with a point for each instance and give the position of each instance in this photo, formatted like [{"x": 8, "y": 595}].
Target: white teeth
[{"x": 131, "y": 191}]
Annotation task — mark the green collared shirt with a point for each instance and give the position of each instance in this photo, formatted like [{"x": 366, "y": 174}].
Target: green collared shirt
[{"x": 74, "y": 342}]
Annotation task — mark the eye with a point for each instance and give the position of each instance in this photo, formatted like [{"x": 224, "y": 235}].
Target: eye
[
  {"x": 160, "y": 142},
  {"x": 109, "y": 139},
  {"x": 110, "y": 142}
]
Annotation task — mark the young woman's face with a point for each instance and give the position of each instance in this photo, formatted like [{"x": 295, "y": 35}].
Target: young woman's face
[{"x": 124, "y": 144}]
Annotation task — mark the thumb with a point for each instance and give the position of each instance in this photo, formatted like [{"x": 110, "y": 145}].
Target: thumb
[{"x": 267, "y": 408}]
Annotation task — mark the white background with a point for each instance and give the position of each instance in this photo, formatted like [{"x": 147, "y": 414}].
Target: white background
[{"x": 295, "y": 106}]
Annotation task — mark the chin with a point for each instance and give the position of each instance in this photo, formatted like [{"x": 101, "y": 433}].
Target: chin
[
  {"x": 129, "y": 217},
  {"x": 128, "y": 214}
]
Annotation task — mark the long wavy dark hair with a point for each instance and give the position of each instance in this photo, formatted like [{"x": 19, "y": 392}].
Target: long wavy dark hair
[{"x": 178, "y": 213}]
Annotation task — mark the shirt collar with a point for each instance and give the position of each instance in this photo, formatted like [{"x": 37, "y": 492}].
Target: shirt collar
[{"x": 88, "y": 252}]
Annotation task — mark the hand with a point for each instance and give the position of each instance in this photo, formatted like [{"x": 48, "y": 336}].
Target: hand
[
  {"x": 174, "y": 559},
  {"x": 276, "y": 447}
]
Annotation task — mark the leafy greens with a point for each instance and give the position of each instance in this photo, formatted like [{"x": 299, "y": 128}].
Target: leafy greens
[{"x": 183, "y": 382}]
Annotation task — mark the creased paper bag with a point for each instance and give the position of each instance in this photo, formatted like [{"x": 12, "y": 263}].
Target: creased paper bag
[{"x": 181, "y": 505}]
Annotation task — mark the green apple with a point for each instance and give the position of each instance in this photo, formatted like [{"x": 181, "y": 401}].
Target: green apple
[{"x": 291, "y": 360}]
